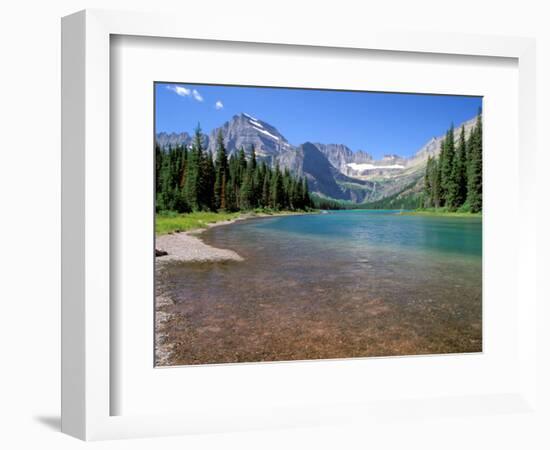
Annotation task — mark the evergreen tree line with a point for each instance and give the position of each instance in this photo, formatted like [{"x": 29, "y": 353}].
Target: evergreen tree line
[
  {"x": 453, "y": 179},
  {"x": 191, "y": 180},
  {"x": 329, "y": 203},
  {"x": 399, "y": 200}
]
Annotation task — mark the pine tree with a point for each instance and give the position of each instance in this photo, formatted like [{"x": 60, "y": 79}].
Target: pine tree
[
  {"x": 241, "y": 166},
  {"x": 457, "y": 186},
  {"x": 180, "y": 200},
  {"x": 285, "y": 199},
  {"x": 208, "y": 181},
  {"x": 446, "y": 160},
  {"x": 258, "y": 182},
  {"x": 293, "y": 194},
  {"x": 428, "y": 193},
  {"x": 165, "y": 182},
  {"x": 475, "y": 167},
  {"x": 193, "y": 186},
  {"x": 435, "y": 176},
  {"x": 306, "y": 199},
  {"x": 266, "y": 187},
  {"x": 183, "y": 166},
  {"x": 276, "y": 189},
  {"x": 233, "y": 183},
  {"x": 253, "y": 163},
  {"x": 247, "y": 185},
  {"x": 223, "y": 193},
  {"x": 158, "y": 164},
  {"x": 220, "y": 185},
  {"x": 231, "y": 194}
]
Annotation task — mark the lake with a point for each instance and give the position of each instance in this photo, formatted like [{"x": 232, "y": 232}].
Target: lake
[{"x": 336, "y": 285}]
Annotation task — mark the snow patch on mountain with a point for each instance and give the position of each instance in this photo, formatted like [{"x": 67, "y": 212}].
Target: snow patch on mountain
[
  {"x": 366, "y": 166},
  {"x": 256, "y": 124},
  {"x": 267, "y": 133}
]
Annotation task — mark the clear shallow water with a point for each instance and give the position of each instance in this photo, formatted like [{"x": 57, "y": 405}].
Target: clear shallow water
[{"x": 343, "y": 284}]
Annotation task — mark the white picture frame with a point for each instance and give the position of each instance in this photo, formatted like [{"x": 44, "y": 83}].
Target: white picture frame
[{"x": 87, "y": 325}]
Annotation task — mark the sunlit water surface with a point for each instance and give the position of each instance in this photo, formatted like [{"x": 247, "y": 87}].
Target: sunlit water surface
[{"x": 337, "y": 285}]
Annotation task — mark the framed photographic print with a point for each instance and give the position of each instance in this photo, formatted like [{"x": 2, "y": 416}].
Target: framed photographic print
[
  {"x": 379, "y": 253},
  {"x": 274, "y": 229}
]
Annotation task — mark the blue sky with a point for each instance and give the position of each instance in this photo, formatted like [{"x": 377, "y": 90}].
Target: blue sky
[{"x": 379, "y": 123}]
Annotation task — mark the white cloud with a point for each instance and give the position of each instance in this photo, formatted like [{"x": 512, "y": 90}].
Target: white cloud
[
  {"x": 218, "y": 105},
  {"x": 180, "y": 90},
  {"x": 197, "y": 96},
  {"x": 184, "y": 92}
]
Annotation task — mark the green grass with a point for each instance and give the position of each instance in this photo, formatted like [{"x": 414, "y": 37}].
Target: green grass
[
  {"x": 440, "y": 212},
  {"x": 169, "y": 222}
]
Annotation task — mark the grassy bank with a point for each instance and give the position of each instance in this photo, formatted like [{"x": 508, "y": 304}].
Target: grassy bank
[
  {"x": 440, "y": 212},
  {"x": 170, "y": 222}
]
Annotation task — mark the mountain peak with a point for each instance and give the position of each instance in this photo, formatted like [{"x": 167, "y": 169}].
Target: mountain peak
[
  {"x": 248, "y": 116},
  {"x": 245, "y": 117},
  {"x": 246, "y": 131}
]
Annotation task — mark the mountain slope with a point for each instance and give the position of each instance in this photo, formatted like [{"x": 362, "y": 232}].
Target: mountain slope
[
  {"x": 332, "y": 170},
  {"x": 320, "y": 173}
]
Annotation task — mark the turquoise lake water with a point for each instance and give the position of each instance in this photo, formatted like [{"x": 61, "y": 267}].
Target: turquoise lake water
[{"x": 336, "y": 285}]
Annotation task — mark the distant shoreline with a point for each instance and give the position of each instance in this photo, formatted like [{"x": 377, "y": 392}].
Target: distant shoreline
[{"x": 436, "y": 213}]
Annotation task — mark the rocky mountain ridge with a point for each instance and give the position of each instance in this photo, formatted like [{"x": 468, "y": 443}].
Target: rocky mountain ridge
[{"x": 332, "y": 170}]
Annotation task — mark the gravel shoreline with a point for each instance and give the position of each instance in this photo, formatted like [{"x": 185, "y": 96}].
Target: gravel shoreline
[{"x": 185, "y": 246}]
